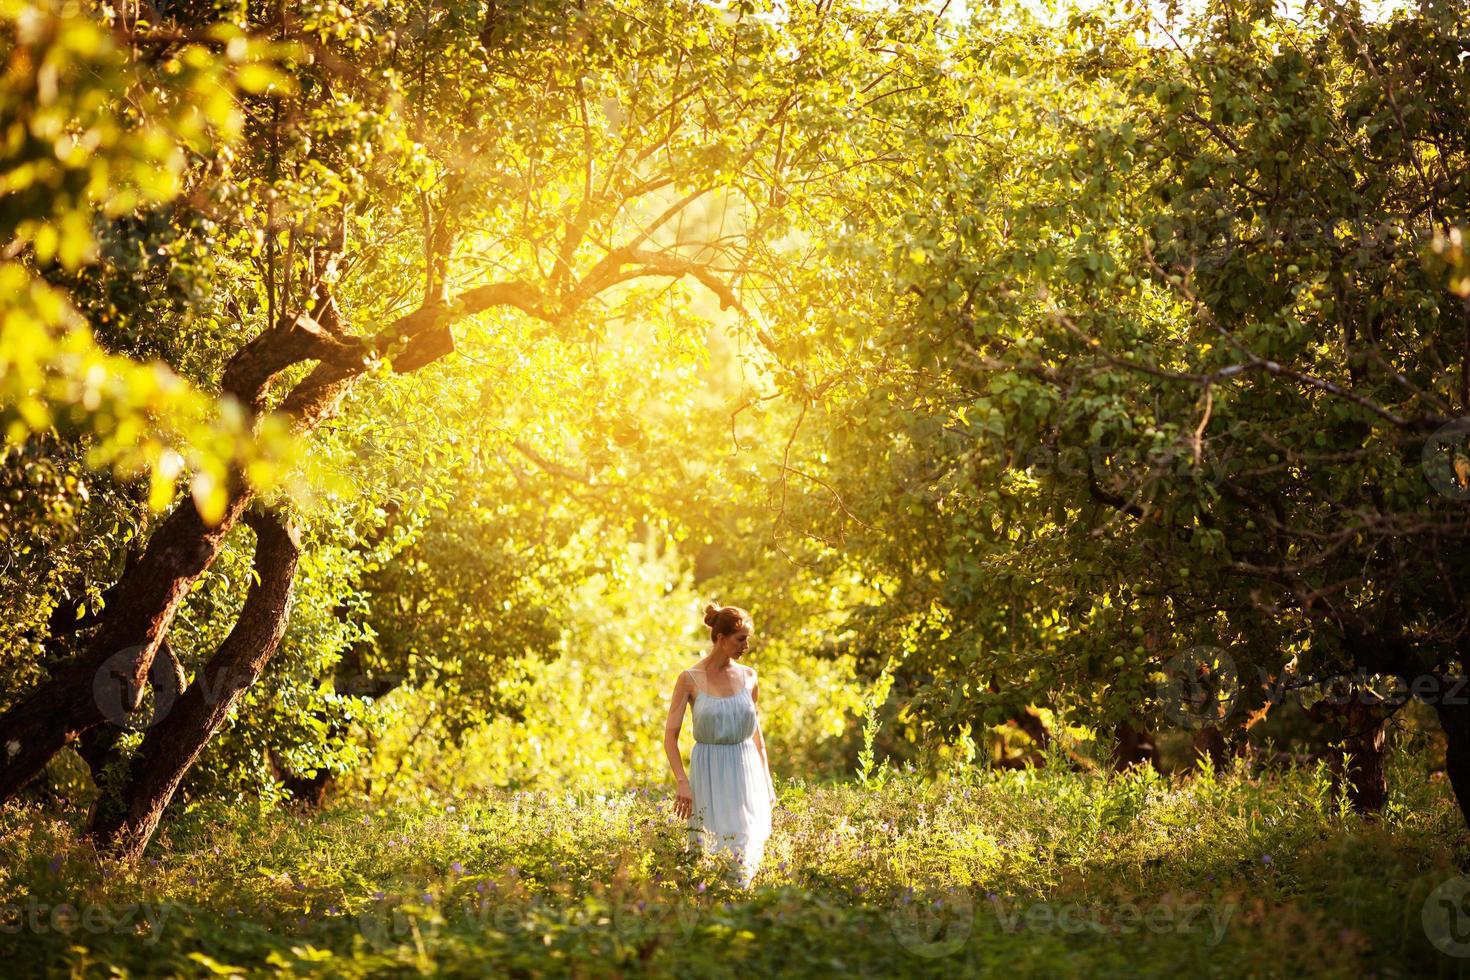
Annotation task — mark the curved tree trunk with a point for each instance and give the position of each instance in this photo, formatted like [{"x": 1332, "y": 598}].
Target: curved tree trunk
[
  {"x": 148, "y": 596},
  {"x": 96, "y": 745},
  {"x": 108, "y": 677},
  {"x": 125, "y": 825}
]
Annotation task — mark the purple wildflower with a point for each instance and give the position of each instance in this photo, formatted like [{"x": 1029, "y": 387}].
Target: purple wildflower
[
  {"x": 701, "y": 887},
  {"x": 456, "y": 867}
]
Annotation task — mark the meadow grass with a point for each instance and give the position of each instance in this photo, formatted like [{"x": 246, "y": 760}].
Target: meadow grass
[{"x": 1040, "y": 872}]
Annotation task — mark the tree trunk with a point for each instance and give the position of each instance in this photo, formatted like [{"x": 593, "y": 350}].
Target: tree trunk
[
  {"x": 308, "y": 790},
  {"x": 107, "y": 678},
  {"x": 96, "y": 745},
  {"x": 1360, "y": 725},
  {"x": 125, "y": 825},
  {"x": 1133, "y": 747},
  {"x": 1367, "y": 777},
  {"x": 1454, "y": 718},
  {"x": 1210, "y": 744}
]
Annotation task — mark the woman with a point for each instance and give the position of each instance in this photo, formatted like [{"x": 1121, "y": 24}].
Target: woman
[{"x": 727, "y": 797}]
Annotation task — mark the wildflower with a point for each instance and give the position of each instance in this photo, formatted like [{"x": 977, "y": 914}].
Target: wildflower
[
  {"x": 641, "y": 904},
  {"x": 378, "y": 895},
  {"x": 456, "y": 867},
  {"x": 1265, "y": 859},
  {"x": 701, "y": 887},
  {"x": 331, "y": 910},
  {"x": 193, "y": 880}
]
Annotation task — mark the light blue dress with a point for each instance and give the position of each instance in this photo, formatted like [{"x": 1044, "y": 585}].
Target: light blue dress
[{"x": 732, "y": 802}]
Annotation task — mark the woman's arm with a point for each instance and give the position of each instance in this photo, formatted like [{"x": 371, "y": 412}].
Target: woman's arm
[
  {"x": 683, "y": 795},
  {"x": 760, "y": 741}
]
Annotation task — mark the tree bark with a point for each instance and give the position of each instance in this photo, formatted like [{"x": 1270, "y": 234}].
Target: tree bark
[
  {"x": 1367, "y": 777},
  {"x": 95, "y": 746},
  {"x": 124, "y": 826},
  {"x": 1454, "y": 718},
  {"x": 1360, "y": 727},
  {"x": 122, "y": 651},
  {"x": 1210, "y": 744},
  {"x": 1133, "y": 747}
]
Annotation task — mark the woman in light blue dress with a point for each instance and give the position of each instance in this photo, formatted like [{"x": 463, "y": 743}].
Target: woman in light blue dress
[{"x": 726, "y": 799}]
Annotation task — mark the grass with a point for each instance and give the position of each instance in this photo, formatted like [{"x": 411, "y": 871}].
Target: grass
[{"x": 1031, "y": 873}]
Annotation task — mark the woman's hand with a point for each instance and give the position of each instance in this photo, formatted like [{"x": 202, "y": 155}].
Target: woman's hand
[{"x": 683, "y": 800}]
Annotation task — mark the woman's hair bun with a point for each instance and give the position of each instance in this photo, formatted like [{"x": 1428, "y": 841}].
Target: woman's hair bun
[{"x": 723, "y": 620}]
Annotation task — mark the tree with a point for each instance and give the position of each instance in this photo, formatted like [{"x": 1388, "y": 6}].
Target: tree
[
  {"x": 568, "y": 150},
  {"x": 1178, "y": 382}
]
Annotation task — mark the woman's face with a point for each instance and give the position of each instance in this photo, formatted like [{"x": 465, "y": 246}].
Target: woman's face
[{"x": 735, "y": 644}]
